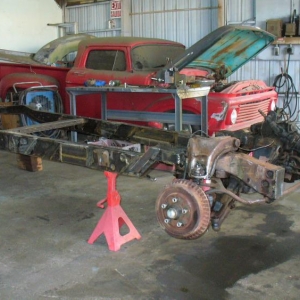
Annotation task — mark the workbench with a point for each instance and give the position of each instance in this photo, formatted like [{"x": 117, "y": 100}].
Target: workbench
[{"x": 178, "y": 94}]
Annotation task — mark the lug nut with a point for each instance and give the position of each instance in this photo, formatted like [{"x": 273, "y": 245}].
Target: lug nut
[
  {"x": 167, "y": 221},
  {"x": 179, "y": 224},
  {"x": 174, "y": 200},
  {"x": 163, "y": 206},
  {"x": 184, "y": 211}
]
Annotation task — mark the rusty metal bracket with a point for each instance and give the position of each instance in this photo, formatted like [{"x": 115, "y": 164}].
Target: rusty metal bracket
[
  {"x": 267, "y": 179},
  {"x": 216, "y": 186},
  {"x": 204, "y": 153}
]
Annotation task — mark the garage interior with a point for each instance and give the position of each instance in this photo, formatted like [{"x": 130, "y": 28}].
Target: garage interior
[{"x": 50, "y": 205}]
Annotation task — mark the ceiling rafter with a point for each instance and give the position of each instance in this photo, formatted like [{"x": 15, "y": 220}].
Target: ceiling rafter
[{"x": 63, "y": 3}]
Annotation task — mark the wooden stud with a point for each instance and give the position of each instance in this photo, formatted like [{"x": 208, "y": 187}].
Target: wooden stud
[
  {"x": 9, "y": 121},
  {"x": 29, "y": 163}
]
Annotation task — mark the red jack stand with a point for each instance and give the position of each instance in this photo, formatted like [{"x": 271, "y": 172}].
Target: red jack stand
[{"x": 113, "y": 218}]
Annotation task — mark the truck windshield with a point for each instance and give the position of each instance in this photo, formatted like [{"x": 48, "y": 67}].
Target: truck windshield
[{"x": 152, "y": 57}]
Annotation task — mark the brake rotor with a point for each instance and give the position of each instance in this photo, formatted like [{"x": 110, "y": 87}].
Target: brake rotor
[{"x": 183, "y": 210}]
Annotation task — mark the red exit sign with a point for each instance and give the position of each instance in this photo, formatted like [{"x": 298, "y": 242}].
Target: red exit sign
[{"x": 115, "y": 9}]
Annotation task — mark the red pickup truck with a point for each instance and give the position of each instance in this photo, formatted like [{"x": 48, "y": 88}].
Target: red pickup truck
[{"x": 149, "y": 62}]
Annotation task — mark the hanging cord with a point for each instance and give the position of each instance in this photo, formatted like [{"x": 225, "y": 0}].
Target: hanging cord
[{"x": 284, "y": 84}]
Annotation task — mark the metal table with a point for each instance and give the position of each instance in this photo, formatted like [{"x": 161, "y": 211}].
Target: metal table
[{"x": 178, "y": 94}]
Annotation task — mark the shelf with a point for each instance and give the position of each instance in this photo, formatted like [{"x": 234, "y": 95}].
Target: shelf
[{"x": 295, "y": 40}]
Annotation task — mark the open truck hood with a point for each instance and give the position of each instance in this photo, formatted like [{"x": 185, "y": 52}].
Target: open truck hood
[{"x": 221, "y": 52}]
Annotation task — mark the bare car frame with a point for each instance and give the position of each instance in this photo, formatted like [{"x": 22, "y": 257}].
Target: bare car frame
[{"x": 211, "y": 173}]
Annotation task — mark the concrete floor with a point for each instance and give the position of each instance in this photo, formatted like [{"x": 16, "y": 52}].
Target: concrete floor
[{"x": 46, "y": 218}]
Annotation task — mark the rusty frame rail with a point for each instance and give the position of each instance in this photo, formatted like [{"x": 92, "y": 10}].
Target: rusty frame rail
[
  {"x": 168, "y": 147},
  {"x": 164, "y": 146}
]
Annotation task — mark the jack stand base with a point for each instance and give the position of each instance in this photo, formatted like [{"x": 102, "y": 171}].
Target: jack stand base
[{"x": 113, "y": 219}]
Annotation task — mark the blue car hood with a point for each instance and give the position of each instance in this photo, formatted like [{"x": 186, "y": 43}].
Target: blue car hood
[{"x": 223, "y": 51}]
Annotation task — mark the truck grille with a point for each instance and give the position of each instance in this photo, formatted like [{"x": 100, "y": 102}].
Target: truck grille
[{"x": 249, "y": 111}]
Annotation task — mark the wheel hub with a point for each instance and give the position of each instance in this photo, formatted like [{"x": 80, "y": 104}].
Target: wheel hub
[
  {"x": 173, "y": 213},
  {"x": 183, "y": 209}
]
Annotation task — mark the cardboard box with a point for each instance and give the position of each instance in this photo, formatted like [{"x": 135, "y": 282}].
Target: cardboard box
[
  {"x": 290, "y": 29},
  {"x": 274, "y": 26}
]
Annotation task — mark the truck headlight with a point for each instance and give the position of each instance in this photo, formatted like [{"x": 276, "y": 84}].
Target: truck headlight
[
  {"x": 272, "y": 105},
  {"x": 233, "y": 116}
]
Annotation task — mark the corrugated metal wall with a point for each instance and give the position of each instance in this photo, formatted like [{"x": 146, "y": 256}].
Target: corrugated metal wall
[
  {"x": 267, "y": 70},
  {"x": 240, "y": 12},
  {"x": 182, "y": 21},
  {"x": 177, "y": 20},
  {"x": 93, "y": 19}
]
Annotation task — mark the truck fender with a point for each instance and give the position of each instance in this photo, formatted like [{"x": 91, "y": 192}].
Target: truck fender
[{"x": 24, "y": 81}]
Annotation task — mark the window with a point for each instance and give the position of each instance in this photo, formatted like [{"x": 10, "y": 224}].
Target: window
[
  {"x": 151, "y": 57},
  {"x": 109, "y": 60}
]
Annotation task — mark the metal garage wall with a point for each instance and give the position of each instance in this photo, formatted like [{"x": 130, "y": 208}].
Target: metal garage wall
[
  {"x": 177, "y": 20},
  {"x": 93, "y": 19},
  {"x": 182, "y": 21},
  {"x": 267, "y": 70},
  {"x": 240, "y": 12}
]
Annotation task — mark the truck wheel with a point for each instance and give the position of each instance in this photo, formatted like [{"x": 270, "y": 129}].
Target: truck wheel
[{"x": 183, "y": 210}]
